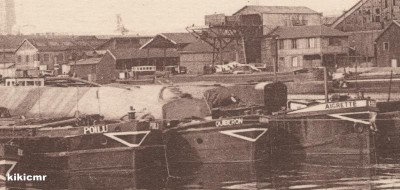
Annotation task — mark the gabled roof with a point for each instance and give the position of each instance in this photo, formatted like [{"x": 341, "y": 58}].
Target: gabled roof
[
  {"x": 198, "y": 47},
  {"x": 305, "y": 32},
  {"x": 275, "y": 10},
  {"x": 170, "y": 40},
  {"x": 180, "y": 38},
  {"x": 9, "y": 43},
  {"x": 116, "y": 39},
  {"x": 393, "y": 23},
  {"x": 119, "y": 54},
  {"x": 51, "y": 44},
  {"x": 349, "y": 12}
]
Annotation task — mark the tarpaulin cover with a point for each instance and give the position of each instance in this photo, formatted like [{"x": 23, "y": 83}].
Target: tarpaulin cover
[{"x": 111, "y": 102}]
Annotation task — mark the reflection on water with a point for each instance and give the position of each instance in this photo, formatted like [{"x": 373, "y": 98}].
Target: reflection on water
[
  {"x": 288, "y": 173},
  {"x": 383, "y": 174}
]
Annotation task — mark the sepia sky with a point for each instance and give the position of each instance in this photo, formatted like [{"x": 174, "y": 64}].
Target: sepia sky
[{"x": 144, "y": 17}]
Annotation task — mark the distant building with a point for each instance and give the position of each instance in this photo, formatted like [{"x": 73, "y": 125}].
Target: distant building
[
  {"x": 199, "y": 54},
  {"x": 124, "y": 43},
  {"x": 175, "y": 41},
  {"x": 308, "y": 46},
  {"x": 94, "y": 69},
  {"x": 388, "y": 46},
  {"x": 8, "y": 45},
  {"x": 271, "y": 17},
  {"x": 364, "y": 22},
  {"x": 368, "y": 15},
  {"x": 7, "y": 16},
  {"x": 125, "y": 59}
]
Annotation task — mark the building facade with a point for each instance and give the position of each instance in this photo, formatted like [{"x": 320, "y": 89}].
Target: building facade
[
  {"x": 99, "y": 70},
  {"x": 7, "y": 16},
  {"x": 388, "y": 46},
  {"x": 272, "y": 17},
  {"x": 125, "y": 59},
  {"x": 199, "y": 54},
  {"x": 44, "y": 54},
  {"x": 364, "y": 22},
  {"x": 308, "y": 47}
]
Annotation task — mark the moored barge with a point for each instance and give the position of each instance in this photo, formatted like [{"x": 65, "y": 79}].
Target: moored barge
[
  {"x": 86, "y": 147},
  {"x": 327, "y": 133}
]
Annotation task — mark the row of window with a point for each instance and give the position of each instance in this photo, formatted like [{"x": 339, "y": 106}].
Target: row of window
[
  {"x": 296, "y": 61},
  {"x": 307, "y": 43},
  {"x": 45, "y": 57},
  {"x": 296, "y": 43}
]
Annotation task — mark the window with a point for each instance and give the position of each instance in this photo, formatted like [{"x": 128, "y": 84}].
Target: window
[
  {"x": 19, "y": 59},
  {"x": 386, "y": 46},
  {"x": 335, "y": 42},
  {"x": 46, "y": 57},
  {"x": 294, "y": 44},
  {"x": 60, "y": 57},
  {"x": 30, "y": 83},
  {"x": 295, "y": 62},
  {"x": 311, "y": 41},
  {"x": 377, "y": 19},
  {"x": 386, "y": 4},
  {"x": 281, "y": 44},
  {"x": 27, "y": 58}
]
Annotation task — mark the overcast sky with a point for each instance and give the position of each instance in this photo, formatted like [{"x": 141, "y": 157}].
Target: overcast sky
[{"x": 143, "y": 17}]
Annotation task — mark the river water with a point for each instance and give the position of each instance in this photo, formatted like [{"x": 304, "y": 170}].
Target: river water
[{"x": 384, "y": 173}]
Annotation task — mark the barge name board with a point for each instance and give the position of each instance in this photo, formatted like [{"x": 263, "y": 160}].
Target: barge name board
[
  {"x": 338, "y": 105},
  {"x": 95, "y": 129},
  {"x": 334, "y": 106},
  {"x": 229, "y": 122}
]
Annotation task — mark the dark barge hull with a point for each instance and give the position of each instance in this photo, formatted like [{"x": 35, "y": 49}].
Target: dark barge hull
[
  {"x": 211, "y": 144},
  {"x": 10, "y": 157},
  {"x": 330, "y": 137},
  {"x": 132, "y": 166},
  {"x": 388, "y": 136},
  {"x": 62, "y": 152}
]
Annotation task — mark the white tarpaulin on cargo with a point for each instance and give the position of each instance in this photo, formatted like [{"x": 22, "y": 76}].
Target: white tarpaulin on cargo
[{"x": 111, "y": 102}]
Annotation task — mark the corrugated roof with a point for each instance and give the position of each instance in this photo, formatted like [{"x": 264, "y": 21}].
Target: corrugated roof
[
  {"x": 306, "y": 32},
  {"x": 276, "y": 10},
  {"x": 142, "y": 53}
]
